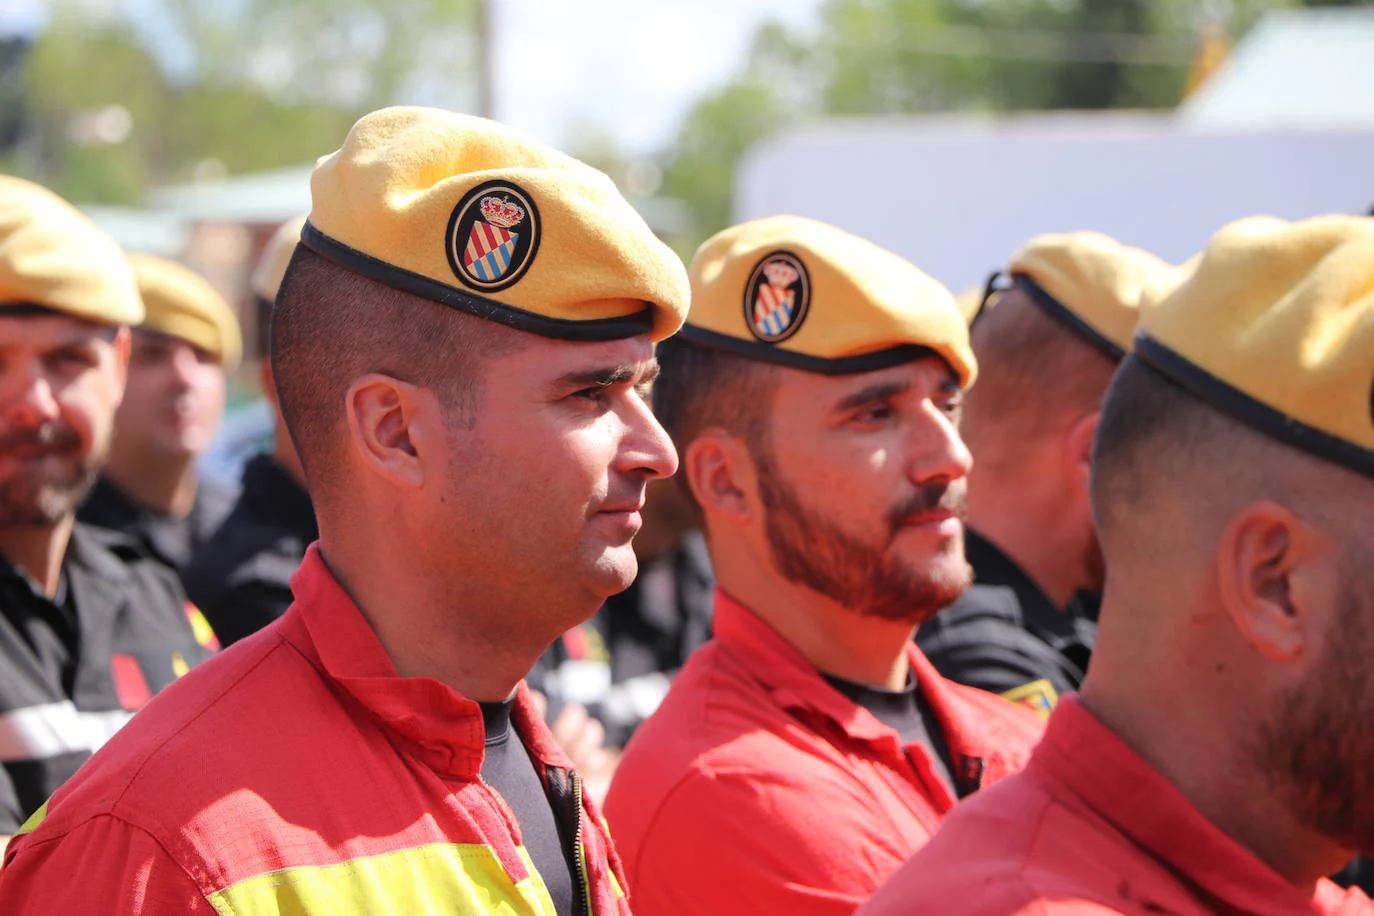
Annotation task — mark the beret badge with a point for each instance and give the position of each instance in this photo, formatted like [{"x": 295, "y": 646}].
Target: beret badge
[
  {"x": 493, "y": 236},
  {"x": 777, "y": 297}
]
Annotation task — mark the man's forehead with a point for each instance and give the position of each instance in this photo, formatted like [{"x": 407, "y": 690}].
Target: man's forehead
[
  {"x": 564, "y": 357},
  {"x": 38, "y": 330},
  {"x": 929, "y": 373}
]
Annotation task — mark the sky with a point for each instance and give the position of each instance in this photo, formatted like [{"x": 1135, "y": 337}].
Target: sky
[
  {"x": 628, "y": 68},
  {"x": 631, "y": 67}
]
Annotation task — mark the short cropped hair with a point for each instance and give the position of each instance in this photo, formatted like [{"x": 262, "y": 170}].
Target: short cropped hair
[
  {"x": 1157, "y": 441},
  {"x": 701, "y": 388},
  {"x": 332, "y": 326},
  {"x": 1033, "y": 373}
]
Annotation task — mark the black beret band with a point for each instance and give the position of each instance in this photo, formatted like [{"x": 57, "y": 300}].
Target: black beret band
[
  {"x": 408, "y": 281},
  {"x": 1208, "y": 388}
]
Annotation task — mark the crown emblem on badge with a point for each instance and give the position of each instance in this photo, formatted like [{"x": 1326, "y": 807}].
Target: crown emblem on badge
[
  {"x": 780, "y": 274},
  {"x": 501, "y": 213}
]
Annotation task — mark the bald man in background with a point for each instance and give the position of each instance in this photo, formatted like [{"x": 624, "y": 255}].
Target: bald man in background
[
  {"x": 150, "y": 487},
  {"x": 1047, "y": 351}
]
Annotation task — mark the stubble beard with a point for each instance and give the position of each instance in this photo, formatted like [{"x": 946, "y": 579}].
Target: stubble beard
[
  {"x": 866, "y": 578},
  {"x": 31, "y": 498},
  {"x": 1316, "y": 749}
]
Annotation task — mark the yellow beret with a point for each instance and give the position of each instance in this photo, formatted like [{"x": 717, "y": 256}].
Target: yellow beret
[
  {"x": 476, "y": 216},
  {"x": 182, "y": 304},
  {"x": 267, "y": 276},
  {"x": 1090, "y": 282},
  {"x": 804, "y": 294},
  {"x": 1274, "y": 324},
  {"x": 53, "y": 258}
]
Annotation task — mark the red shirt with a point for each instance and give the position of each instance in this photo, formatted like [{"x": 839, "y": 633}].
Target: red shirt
[
  {"x": 298, "y": 773},
  {"x": 758, "y": 788},
  {"x": 1090, "y": 828}
]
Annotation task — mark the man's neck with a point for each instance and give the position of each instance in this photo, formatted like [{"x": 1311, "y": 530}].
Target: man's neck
[
  {"x": 839, "y": 641},
  {"x": 38, "y": 552},
  {"x": 284, "y": 454},
  {"x": 1215, "y": 775},
  {"x": 1044, "y": 559},
  {"x": 481, "y": 656},
  {"x": 164, "y": 485}
]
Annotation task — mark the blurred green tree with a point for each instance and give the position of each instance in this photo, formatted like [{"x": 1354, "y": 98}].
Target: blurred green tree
[
  {"x": 109, "y": 109},
  {"x": 922, "y": 56}
]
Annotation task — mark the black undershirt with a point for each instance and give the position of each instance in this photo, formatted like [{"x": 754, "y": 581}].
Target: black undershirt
[
  {"x": 906, "y": 713},
  {"x": 507, "y": 768}
]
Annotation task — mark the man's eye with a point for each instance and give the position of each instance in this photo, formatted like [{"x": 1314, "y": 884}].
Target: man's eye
[
  {"x": 595, "y": 393},
  {"x": 72, "y": 359},
  {"x": 874, "y": 413}
]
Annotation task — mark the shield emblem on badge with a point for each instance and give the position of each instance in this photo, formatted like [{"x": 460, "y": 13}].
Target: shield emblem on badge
[
  {"x": 489, "y": 250},
  {"x": 777, "y": 297}
]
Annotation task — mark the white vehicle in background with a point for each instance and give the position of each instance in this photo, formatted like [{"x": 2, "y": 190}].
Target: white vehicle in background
[{"x": 957, "y": 195}]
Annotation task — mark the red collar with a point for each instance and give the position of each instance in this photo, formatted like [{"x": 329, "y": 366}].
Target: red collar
[
  {"x": 437, "y": 724},
  {"x": 795, "y": 683},
  {"x": 1090, "y": 762}
]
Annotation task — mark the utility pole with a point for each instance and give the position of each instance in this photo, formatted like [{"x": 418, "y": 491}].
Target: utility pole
[{"x": 486, "y": 71}]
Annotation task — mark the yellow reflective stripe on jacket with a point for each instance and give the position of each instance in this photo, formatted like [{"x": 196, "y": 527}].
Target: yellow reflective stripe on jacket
[
  {"x": 34, "y": 820},
  {"x": 431, "y": 879}
]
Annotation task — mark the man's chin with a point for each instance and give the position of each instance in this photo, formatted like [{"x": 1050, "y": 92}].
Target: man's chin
[{"x": 614, "y": 571}]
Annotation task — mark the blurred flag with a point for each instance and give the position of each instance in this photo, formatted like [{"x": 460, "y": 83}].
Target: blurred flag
[{"x": 1213, "y": 46}]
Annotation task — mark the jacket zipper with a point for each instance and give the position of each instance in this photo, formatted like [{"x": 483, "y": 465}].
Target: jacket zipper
[{"x": 565, "y": 787}]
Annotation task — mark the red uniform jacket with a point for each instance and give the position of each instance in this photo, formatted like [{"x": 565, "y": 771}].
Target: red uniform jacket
[
  {"x": 1088, "y": 829},
  {"x": 759, "y": 788},
  {"x": 298, "y": 773}
]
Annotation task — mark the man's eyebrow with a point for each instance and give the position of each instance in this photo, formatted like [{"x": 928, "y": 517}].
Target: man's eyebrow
[
  {"x": 879, "y": 391},
  {"x": 606, "y": 376},
  {"x": 951, "y": 386}
]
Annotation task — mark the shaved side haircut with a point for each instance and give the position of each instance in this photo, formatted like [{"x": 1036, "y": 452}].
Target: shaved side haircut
[
  {"x": 1035, "y": 376},
  {"x": 332, "y": 326},
  {"x": 1158, "y": 444},
  {"x": 701, "y": 388}
]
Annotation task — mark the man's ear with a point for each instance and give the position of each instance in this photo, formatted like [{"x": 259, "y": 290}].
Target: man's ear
[
  {"x": 1078, "y": 449},
  {"x": 123, "y": 349},
  {"x": 393, "y": 428},
  {"x": 1278, "y": 579},
  {"x": 268, "y": 382},
  {"x": 721, "y": 473}
]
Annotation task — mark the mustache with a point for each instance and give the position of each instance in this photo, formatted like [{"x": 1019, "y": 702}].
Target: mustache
[
  {"x": 931, "y": 497},
  {"x": 53, "y": 436}
]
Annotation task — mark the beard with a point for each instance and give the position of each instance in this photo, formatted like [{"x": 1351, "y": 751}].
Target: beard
[
  {"x": 865, "y": 577},
  {"x": 1316, "y": 749},
  {"x": 47, "y": 484}
]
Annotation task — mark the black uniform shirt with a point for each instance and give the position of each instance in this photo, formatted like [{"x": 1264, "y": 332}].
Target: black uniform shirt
[
  {"x": 72, "y": 669},
  {"x": 906, "y": 713},
  {"x": 508, "y": 769},
  {"x": 241, "y": 577},
  {"x": 1006, "y": 636},
  {"x": 169, "y": 540}
]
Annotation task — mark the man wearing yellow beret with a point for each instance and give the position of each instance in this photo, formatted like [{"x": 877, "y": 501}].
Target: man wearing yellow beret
[
  {"x": 90, "y": 626},
  {"x": 240, "y": 577},
  {"x": 809, "y": 748},
  {"x": 1217, "y": 759},
  {"x": 172, "y": 408},
  {"x": 459, "y": 346},
  {"x": 1046, "y": 353}
]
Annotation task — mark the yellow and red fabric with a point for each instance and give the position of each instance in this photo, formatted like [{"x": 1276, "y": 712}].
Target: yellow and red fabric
[
  {"x": 759, "y": 788},
  {"x": 297, "y": 774}
]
